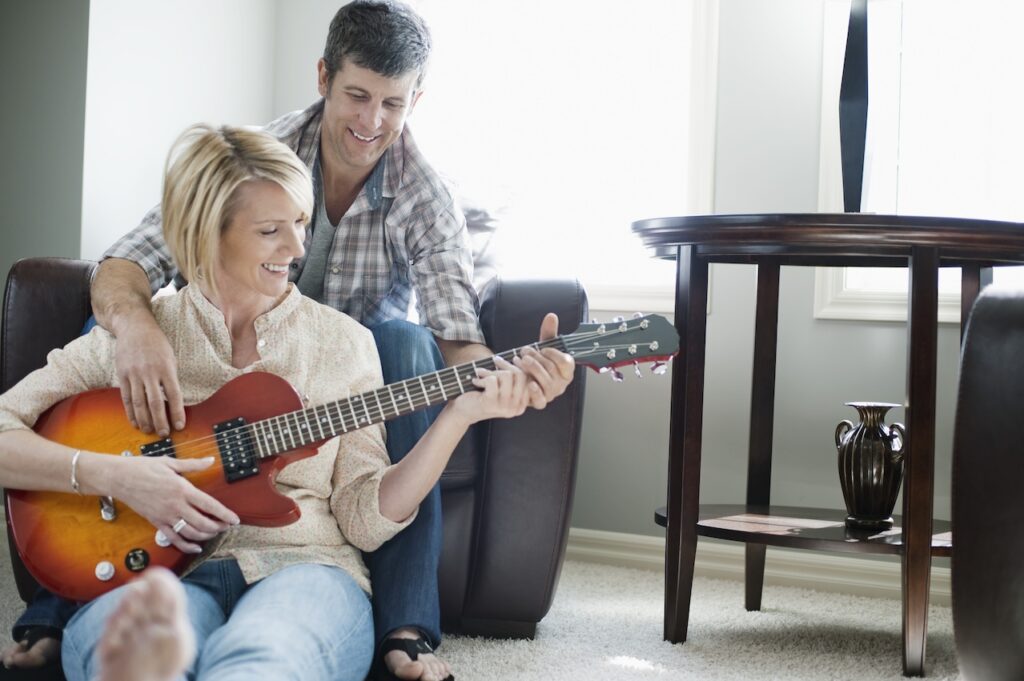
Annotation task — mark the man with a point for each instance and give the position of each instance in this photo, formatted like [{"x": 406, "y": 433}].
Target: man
[{"x": 385, "y": 225}]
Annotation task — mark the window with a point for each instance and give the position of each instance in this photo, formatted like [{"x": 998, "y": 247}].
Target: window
[
  {"x": 943, "y": 133},
  {"x": 570, "y": 120}
]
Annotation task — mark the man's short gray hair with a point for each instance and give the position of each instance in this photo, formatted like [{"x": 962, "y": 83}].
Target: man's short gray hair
[{"x": 385, "y": 36}]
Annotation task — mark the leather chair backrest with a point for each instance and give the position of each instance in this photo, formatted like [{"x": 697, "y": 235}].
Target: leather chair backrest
[
  {"x": 988, "y": 492},
  {"x": 38, "y": 319}
]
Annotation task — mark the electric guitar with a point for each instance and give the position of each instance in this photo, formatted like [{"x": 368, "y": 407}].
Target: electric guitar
[{"x": 80, "y": 547}]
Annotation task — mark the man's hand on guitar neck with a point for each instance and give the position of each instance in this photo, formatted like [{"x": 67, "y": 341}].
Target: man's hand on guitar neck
[{"x": 147, "y": 371}]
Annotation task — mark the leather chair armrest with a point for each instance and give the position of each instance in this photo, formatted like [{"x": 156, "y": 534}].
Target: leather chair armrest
[
  {"x": 529, "y": 471},
  {"x": 46, "y": 304}
]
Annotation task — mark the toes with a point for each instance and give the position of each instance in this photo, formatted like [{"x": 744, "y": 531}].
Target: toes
[{"x": 404, "y": 668}]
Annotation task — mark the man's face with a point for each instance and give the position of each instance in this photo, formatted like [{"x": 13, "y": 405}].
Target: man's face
[{"x": 364, "y": 113}]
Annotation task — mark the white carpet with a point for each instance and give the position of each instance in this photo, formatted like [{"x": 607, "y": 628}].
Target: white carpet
[{"x": 606, "y": 623}]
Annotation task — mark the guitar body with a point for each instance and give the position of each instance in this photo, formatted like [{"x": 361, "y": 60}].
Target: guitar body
[{"x": 62, "y": 537}]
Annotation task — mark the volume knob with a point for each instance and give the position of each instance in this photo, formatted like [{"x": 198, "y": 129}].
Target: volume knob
[{"x": 104, "y": 571}]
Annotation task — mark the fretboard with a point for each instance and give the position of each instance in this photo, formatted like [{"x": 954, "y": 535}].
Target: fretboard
[{"x": 304, "y": 427}]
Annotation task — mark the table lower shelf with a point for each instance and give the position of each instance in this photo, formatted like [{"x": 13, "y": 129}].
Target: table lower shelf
[{"x": 805, "y": 528}]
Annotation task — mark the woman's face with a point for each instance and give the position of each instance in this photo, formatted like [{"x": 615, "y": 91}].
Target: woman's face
[{"x": 263, "y": 237}]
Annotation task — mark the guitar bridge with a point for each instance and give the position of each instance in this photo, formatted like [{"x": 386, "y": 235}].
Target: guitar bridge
[{"x": 237, "y": 452}]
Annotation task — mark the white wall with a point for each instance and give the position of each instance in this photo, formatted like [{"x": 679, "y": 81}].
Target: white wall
[
  {"x": 154, "y": 68},
  {"x": 299, "y": 35}
]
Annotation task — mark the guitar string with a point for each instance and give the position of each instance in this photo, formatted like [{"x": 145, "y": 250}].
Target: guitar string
[
  {"x": 447, "y": 378},
  {"x": 204, "y": 446}
]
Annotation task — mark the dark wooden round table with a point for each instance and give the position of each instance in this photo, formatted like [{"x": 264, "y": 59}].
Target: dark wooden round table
[{"x": 924, "y": 244}]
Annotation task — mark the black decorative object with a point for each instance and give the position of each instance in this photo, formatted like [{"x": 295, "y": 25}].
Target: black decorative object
[
  {"x": 853, "y": 106},
  {"x": 870, "y": 465}
]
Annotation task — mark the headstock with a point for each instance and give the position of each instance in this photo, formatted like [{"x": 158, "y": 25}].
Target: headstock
[{"x": 603, "y": 347}]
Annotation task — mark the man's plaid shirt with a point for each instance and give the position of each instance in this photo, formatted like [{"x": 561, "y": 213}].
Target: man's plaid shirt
[{"x": 403, "y": 231}]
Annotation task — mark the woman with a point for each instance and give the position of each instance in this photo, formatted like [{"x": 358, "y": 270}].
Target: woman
[{"x": 287, "y": 602}]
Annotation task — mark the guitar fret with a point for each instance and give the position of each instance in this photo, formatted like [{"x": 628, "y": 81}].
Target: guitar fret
[
  {"x": 352, "y": 410},
  {"x": 394, "y": 404},
  {"x": 423, "y": 389},
  {"x": 376, "y": 396},
  {"x": 330, "y": 419},
  {"x": 296, "y": 428},
  {"x": 260, "y": 450},
  {"x": 319, "y": 424},
  {"x": 341, "y": 414},
  {"x": 267, "y": 437},
  {"x": 366, "y": 410},
  {"x": 459, "y": 379},
  {"x": 288, "y": 431},
  {"x": 408, "y": 396},
  {"x": 440, "y": 384},
  {"x": 279, "y": 434},
  {"x": 307, "y": 428}
]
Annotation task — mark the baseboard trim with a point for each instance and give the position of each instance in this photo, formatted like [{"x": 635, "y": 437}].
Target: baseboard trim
[{"x": 724, "y": 560}]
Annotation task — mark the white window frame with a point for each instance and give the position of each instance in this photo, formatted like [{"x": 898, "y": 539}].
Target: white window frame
[
  {"x": 700, "y": 189},
  {"x": 833, "y": 299}
]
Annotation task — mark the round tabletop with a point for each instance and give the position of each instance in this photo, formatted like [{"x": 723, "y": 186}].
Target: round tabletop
[{"x": 800, "y": 238}]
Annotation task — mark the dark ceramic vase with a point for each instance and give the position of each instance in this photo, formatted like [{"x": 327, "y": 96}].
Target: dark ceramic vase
[{"x": 870, "y": 465}]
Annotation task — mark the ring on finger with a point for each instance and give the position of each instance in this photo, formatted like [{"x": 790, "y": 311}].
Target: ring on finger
[{"x": 180, "y": 525}]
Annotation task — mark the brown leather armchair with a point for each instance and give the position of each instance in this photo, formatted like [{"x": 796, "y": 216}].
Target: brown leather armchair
[
  {"x": 506, "y": 493},
  {"x": 988, "y": 481}
]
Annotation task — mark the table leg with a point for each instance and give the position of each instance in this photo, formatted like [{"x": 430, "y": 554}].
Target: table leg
[
  {"x": 683, "y": 503},
  {"x": 918, "y": 484},
  {"x": 762, "y": 420},
  {"x": 973, "y": 278}
]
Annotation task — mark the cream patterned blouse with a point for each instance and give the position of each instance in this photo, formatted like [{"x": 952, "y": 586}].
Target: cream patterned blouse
[{"x": 324, "y": 354}]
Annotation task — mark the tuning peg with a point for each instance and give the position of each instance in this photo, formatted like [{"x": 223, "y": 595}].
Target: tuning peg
[
  {"x": 659, "y": 368},
  {"x": 617, "y": 320},
  {"x": 593, "y": 320},
  {"x": 636, "y": 369},
  {"x": 616, "y": 375}
]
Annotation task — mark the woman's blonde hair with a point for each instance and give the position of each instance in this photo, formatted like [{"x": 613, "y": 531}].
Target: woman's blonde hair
[{"x": 204, "y": 170}]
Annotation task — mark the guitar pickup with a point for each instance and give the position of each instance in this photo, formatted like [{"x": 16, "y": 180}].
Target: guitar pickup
[
  {"x": 159, "y": 448},
  {"x": 237, "y": 453}
]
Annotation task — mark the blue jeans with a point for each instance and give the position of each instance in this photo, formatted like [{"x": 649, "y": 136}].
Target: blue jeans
[
  {"x": 404, "y": 570},
  {"x": 303, "y": 622}
]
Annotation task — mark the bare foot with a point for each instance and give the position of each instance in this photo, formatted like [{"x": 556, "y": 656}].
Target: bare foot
[
  {"x": 426, "y": 666},
  {"x": 149, "y": 637},
  {"x": 21, "y": 655}
]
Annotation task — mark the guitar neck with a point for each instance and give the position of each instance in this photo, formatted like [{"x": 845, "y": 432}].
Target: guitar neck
[{"x": 304, "y": 427}]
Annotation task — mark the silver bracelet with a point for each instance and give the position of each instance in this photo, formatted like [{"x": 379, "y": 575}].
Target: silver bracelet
[{"x": 74, "y": 472}]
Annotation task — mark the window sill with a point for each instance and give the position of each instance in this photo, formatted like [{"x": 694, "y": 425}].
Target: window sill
[{"x": 833, "y": 300}]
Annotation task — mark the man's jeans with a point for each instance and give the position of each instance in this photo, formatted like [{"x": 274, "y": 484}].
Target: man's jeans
[
  {"x": 303, "y": 622},
  {"x": 404, "y": 570}
]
